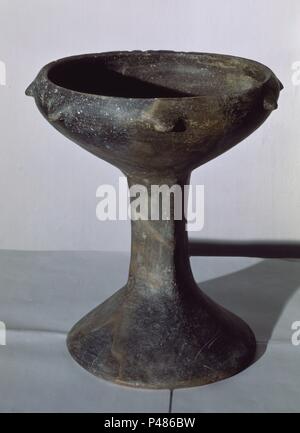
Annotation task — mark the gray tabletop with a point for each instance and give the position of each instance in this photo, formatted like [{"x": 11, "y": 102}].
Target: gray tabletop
[{"x": 42, "y": 294}]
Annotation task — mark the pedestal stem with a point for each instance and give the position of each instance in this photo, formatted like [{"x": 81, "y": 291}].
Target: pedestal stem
[
  {"x": 160, "y": 330},
  {"x": 159, "y": 247}
]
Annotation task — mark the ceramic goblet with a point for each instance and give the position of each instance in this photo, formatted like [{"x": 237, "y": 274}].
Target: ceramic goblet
[{"x": 158, "y": 115}]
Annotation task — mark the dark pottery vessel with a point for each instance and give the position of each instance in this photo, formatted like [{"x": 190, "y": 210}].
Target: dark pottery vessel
[{"x": 157, "y": 116}]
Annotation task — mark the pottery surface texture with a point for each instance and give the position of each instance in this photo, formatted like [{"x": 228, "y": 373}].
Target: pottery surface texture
[{"x": 157, "y": 115}]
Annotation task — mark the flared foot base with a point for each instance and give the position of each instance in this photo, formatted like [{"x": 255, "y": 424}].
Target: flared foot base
[{"x": 161, "y": 342}]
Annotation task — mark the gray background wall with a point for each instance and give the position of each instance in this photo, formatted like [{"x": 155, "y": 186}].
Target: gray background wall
[{"x": 48, "y": 184}]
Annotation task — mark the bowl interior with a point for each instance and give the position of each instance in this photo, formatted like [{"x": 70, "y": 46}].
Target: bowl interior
[{"x": 157, "y": 74}]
